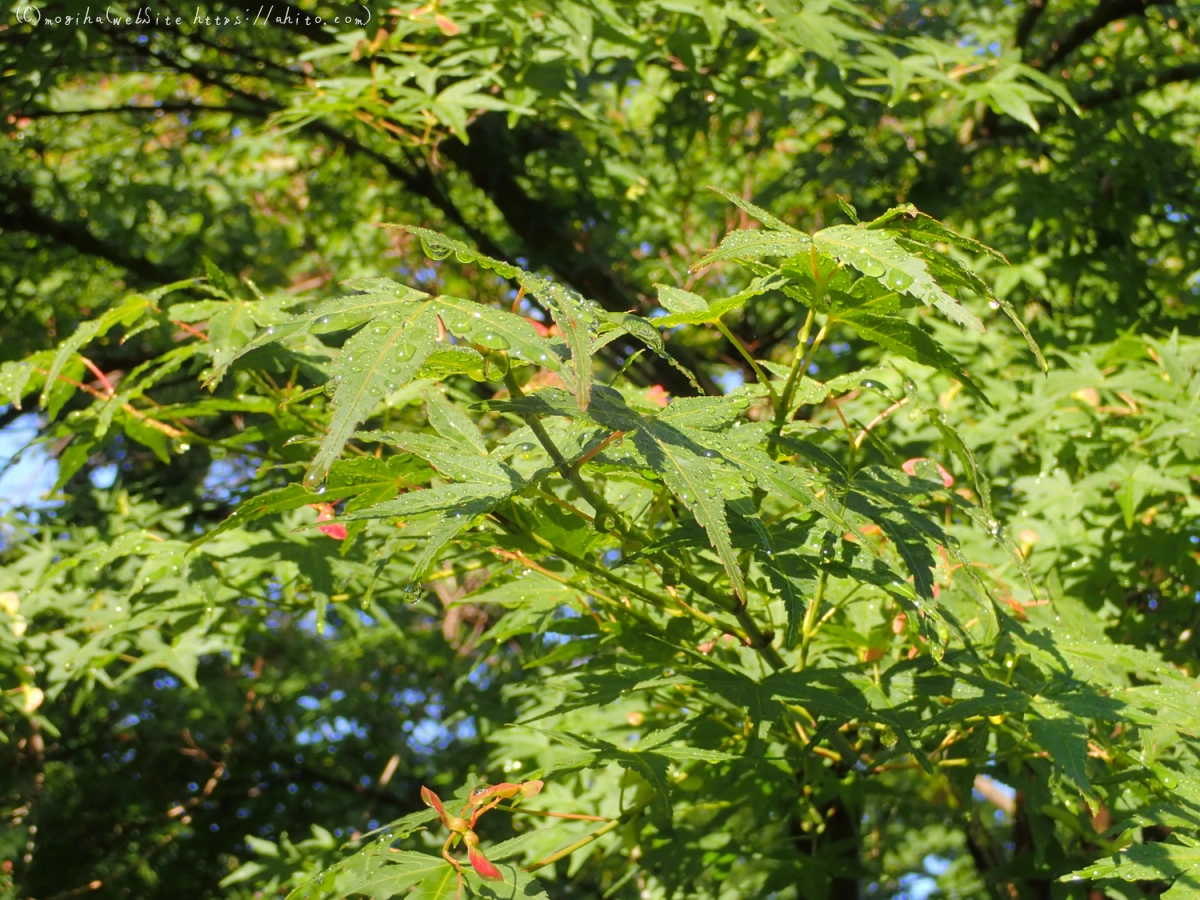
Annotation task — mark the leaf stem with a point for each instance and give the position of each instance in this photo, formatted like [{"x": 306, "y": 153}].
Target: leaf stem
[
  {"x": 811, "y": 623},
  {"x": 800, "y": 365},
  {"x": 629, "y": 587},
  {"x": 758, "y": 372},
  {"x": 789, "y": 389},
  {"x": 862, "y": 435},
  {"x": 557, "y": 815},
  {"x": 753, "y": 635},
  {"x": 584, "y": 841},
  {"x": 802, "y": 359},
  {"x": 569, "y": 472}
]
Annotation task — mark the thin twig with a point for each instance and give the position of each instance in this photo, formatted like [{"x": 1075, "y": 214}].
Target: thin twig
[{"x": 862, "y": 435}]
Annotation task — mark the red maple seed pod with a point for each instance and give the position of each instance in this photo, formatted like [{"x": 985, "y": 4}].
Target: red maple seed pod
[
  {"x": 531, "y": 788},
  {"x": 910, "y": 468},
  {"x": 658, "y": 395},
  {"x": 337, "y": 531},
  {"x": 479, "y": 862},
  {"x": 432, "y": 799}
]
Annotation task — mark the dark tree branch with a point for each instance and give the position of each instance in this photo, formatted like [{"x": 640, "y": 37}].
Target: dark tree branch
[
  {"x": 489, "y": 160},
  {"x": 1152, "y": 81},
  {"x": 11, "y": 414},
  {"x": 117, "y": 110},
  {"x": 18, "y": 213},
  {"x": 415, "y": 178},
  {"x": 291, "y": 75},
  {"x": 1098, "y": 99},
  {"x": 419, "y": 180},
  {"x": 1107, "y": 12},
  {"x": 543, "y": 227},
  {"x": 376, "y": 794},
  {"x": 1029, "y": 19}
]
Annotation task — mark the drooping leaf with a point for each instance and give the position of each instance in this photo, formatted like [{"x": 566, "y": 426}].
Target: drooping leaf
[
  {"x": 877, "y": 255},
  {"x": 688, "y": 473},
  {"x": 369, "y": 480},
  {"x": 922, "y": 232},
  {"x": 755, "y": 244},
  {"x": 378, "y": 359},
  {"x": 1065, "y": 738},
  {"x": 126, "y": 313},
  {"x": 676, "y": 300},
  {"x": 455, "y": 500},
  {"x": 908, "y": 220},
  {"x": 576, "y": 317},
  {"x": 898, "y": 335},
  {"x": 757, "y": 212},
  {"x": 1167, "y": 860},
  {"x": 711, "y": 312},
  {"x": 795, "y": 585},
  {"x": 649, "y": 335},
  {"x": 385, "y": 300},
  {"x": 450, "y": 422},
  {"x": 497, "y": 329},
  {"x": 448, "y": 459}
]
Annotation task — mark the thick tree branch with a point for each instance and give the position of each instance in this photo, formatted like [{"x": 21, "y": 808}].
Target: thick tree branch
[
  {"x": 1105, "y": 13},
  {"x": 543, "y": 226},
  {"x": 539, "y": 225},
  {"x": 1098, "y": 99},
  {"x": 1149, "y": 82},
  {"x": 311, "y": 775},
  {"x": 18, "y": 213},
  {"x": 117, "y": 110},
  {"x": 1029, "y": 19},
  {"x": 417, "y": 180},
  {"x": 489, "y": 159},
  {"x": 420, "y": 182}
]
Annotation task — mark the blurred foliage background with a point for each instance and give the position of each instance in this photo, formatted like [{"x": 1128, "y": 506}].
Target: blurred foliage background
[{"x": 577, "y": 138}]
